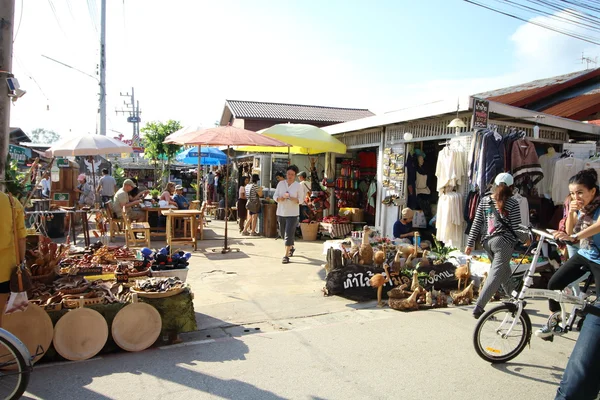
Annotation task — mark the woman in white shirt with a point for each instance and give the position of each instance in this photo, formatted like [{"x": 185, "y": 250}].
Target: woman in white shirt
[
  {"x": 45, "y": 183},
  {"x": 287, "y": 195}
]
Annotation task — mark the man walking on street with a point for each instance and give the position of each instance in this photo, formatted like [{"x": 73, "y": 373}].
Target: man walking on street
[{"x": 107, "y": 186}]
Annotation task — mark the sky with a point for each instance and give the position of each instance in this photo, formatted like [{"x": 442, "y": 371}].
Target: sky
[{"x": 185, "y": 58}]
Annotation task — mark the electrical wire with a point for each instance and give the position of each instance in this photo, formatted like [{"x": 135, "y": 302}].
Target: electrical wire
[
  {"x": 92, "y": 14},
  {"x": 56, "y": 18},
  {"x": 30, "y": 76},
  {"x": 19, "y": 25},
  {"x": 575, "y": 35}
]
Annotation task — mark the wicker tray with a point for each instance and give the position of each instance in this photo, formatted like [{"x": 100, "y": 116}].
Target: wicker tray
[
  {"x": 74, "y": 303},
  {"x": 75, "y": 291},
  {"x": 157, "y": 295}
]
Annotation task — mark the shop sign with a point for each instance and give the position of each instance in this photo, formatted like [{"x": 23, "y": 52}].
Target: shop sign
[
  {"x": 481, "y": 113},
  {"x": 18, "y": 153},
  {"x": 90, "y": 271},
  {"x": 62, "y": 162},
  {"x": 122, "y": 278},
  {"x": 61, "y": 196}
]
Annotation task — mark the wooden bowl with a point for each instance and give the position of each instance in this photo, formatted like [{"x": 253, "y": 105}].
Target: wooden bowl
[
  {"x": 80, "y": 334},
  {"x": 136, "y": 327}
]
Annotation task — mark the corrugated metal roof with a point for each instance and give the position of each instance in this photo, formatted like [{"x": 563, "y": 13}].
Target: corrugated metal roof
[
  {"x": 513, "y": 94},
  {"x": 578, "y": 107},
  {"x": 295, "y": 112}
]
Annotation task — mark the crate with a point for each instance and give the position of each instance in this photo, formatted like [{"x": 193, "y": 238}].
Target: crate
[{"x": 180, "y": 273}]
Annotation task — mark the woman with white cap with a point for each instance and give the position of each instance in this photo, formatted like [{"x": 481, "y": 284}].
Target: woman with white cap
[
  {"x": 497, "y": 220},
  {"x": 86, "y": 193}
]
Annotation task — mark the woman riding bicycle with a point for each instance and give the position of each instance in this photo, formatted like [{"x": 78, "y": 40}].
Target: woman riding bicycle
[
  {"x": 581, "y": 225},
  {"x": 497, "y": 220}
]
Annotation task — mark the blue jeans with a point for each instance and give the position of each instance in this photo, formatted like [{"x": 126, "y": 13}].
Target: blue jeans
[{"x": 580, "y": 380}]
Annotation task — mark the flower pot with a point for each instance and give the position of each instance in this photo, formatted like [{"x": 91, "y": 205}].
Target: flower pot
[{"x": 309, "y": 230}]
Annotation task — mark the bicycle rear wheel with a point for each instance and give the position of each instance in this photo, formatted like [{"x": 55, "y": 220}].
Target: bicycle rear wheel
[
  {"x": 490, "y": 337},
  {"x": 14, "y": 372}
]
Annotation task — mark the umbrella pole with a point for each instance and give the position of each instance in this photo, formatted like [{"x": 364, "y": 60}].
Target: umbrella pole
[
  {"x": 198, "y": 175},
  {"x": 94, "y": 181},
  {"x": 289, "y": 157},
  {"x": 225, "y": 247}
]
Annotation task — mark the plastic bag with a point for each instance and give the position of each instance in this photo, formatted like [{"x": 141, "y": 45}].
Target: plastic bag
[{"x": 16, "y": 302}]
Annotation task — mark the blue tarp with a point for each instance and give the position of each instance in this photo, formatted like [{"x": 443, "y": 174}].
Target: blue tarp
[{"x": 210, "y": 156}]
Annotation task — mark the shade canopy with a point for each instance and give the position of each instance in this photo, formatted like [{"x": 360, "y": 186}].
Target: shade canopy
[
  {"x": 225, "y": 136},
  {"x": 303, "y": 138},
  {"x": 211, "y": 154},
  {"x": 88, "y": 145},
  {"x": 182, "y": 131}
]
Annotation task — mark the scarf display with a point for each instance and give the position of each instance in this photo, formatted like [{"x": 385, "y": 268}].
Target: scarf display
[{"x": 586, "y": 219}]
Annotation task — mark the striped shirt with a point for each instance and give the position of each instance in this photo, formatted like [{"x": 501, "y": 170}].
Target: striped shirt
[
  {"x": 486, "y": 225},
  {"x": 251, "y": 191}
]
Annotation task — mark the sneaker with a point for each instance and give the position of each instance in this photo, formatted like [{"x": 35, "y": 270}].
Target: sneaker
[{"x": 544, "y": 332}]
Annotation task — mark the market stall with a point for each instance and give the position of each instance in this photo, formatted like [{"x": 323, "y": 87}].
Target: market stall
[{"x": 142, "y": 297}]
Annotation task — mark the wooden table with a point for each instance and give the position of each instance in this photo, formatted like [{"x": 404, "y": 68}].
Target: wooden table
[
  {"x": 171, "y": 215},
  {"x": 155, "y": 230}
]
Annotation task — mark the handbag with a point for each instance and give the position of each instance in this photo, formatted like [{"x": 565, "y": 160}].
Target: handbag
[
  {"x": 253, "y": 205},
  {"x": 20, "y": 279}
]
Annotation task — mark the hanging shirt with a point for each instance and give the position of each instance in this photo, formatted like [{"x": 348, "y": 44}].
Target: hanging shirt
[
  {"x": 525, "y": 164},
  {"x": 421, "y": 184},
  {"x": 548, "y": 164},
  {"x": 564, "y": 169}
]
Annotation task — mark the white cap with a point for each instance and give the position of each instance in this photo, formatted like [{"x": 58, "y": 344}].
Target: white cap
[{"x": 505, "y": 178}]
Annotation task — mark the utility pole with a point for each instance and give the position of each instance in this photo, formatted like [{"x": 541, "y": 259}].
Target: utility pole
[
  {"x": 7, "y": 15},
  {"x": 103, "y": 68},
  {"x": 133, "y": 109}
]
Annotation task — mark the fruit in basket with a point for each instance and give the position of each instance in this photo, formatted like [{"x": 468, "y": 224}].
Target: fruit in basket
[{"x": 482, "y": 259}]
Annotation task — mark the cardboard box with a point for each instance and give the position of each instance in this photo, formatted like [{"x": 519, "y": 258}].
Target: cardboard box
[{"x": 353, "y": 214}]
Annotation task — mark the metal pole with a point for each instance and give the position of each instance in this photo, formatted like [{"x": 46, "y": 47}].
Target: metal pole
[
  {"x": 226, "y": 248},
  {"x": 7, "y": 12},
  {"x": 103, "y": 68},
  {"x": 198, "y": 174}
]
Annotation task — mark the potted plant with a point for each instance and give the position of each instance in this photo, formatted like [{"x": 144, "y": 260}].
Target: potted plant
[{"x": 155, "y": 193}]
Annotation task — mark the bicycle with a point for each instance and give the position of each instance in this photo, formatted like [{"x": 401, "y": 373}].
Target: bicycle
[
  {"x": 16, "y": 364},
  {"x": 509, "y": 324}
]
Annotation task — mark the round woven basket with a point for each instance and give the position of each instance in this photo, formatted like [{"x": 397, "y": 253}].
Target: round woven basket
[{"x": 309, "y": 230}]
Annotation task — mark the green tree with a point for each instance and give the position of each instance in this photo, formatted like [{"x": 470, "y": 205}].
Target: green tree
[
  {"x": 41, "y": 135},
  {"x": 155, "y": 134}
]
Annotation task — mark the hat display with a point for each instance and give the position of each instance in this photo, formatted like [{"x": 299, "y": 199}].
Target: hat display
[
  {"x": 128, "y": 182},
  {"x": 407, "y": 213},
  {"x": 505, "y": 178}
]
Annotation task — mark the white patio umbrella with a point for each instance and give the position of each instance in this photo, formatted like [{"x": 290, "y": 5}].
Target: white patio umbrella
[{"x": 88, "y": 145}]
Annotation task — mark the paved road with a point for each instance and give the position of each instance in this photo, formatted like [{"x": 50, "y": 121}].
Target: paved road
[
  {"x": 353, "y": 354},
  {"x": 267, "y": 332}
]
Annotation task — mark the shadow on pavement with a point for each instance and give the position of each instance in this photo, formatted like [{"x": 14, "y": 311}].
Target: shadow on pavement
[
  {"x": 526, "y": 370},
  {"x": 173, "y": 364}
]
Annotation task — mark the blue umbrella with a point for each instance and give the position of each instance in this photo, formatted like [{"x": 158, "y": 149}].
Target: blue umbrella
[{"x": 190, "y": 156}]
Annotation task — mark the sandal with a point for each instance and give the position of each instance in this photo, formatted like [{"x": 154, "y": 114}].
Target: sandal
[
  {"x": 285, "y": 260},
  {"x": 292, "y": 250}
]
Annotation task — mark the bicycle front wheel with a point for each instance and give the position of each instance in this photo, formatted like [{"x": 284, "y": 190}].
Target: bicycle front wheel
[
  {"x": 491, "y": 338},
  {"x": 14, "y": 372}
]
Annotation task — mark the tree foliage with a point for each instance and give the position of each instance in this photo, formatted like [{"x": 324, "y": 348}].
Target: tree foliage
[
  {"x": 155, "y": 134},
  {"x": 45, "y": 136}
]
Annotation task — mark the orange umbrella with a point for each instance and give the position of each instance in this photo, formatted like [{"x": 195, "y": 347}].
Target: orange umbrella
[{"x": 225, "y": 136}]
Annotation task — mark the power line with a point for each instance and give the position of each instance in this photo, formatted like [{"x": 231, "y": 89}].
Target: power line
[
  {"x": 30, "y": 76},
  {"x": 56, "y": 18},
  {"x": 574, "y": 35},
  {"x": 19, "y": 26}
]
